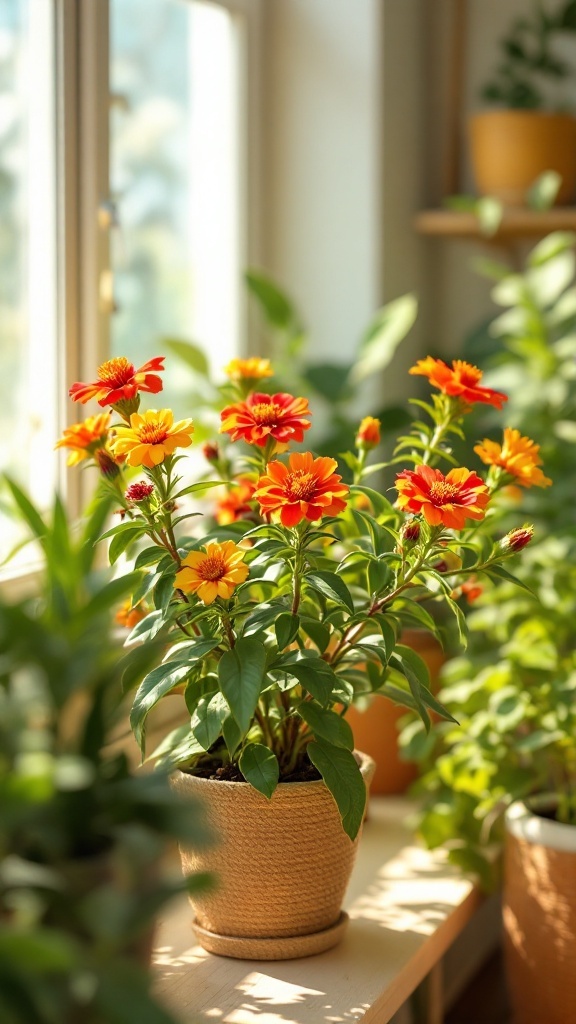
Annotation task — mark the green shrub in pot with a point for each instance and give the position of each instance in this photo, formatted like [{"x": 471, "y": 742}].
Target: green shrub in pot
[{"x": 81, "y": 834}]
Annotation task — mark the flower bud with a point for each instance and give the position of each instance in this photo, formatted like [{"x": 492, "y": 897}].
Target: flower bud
[
  {"x": 139, "y": 491},
  {"x": 368, "y": 435},
  {"x": 410, "y": 532},
  {"x": 108, "y": 467},
  {"x": 517, "y": 539},
  {"x": 210, "y": 451}
]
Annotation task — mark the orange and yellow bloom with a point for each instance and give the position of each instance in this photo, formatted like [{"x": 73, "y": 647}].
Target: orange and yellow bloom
[
  {"x": 306, "y": 488},
  {"x": 248, "y": 369},
  {"x": 281, "y": 417},
  {"x": 129, "y": 615},
  {"x": 443, "y": 500},
  {"x": 518, "y": 456},
  {"x": 235, "y": 503},
  {"x": 368, "y": 435},
  {"x": 462, "y": 380},
  {"x": 213, "y": 572},
  {"x": 151, "y": 437},
  {"x": 119, "y": 381},
  {"x": 84, "y": 439}
]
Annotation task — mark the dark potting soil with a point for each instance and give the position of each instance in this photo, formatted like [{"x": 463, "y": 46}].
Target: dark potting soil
[{"x": 304, "y": 772}]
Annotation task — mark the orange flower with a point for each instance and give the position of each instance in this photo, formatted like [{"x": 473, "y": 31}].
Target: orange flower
[
  {"x": 235, "y": 503},
  {"x": 450, "y": 499},
  {"x": 213, "y": 572},
  {"x": 151, "y": 437},
  {"x": 83, "y": 439},
  {"x": 368, "y": 435},
  {"x": 128, "y": 616},
  {"x": 248, "y": 369},
  {"x": 262, "y": 416},
  {"x": 118, "y": 381},
  {"x": 518, "y": 456},
  {"x": 462, "y": 381},
  {"x": 307, "y": 488},
  {"x": 471, "y": 589}
]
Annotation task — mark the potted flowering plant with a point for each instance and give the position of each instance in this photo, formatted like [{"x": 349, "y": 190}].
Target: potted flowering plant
[{"x": 274, "y": 619}]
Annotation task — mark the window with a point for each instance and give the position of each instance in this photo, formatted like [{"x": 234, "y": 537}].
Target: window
[
  {"x": 91, "y": 266},
  {"x": 28, "y": 334}
]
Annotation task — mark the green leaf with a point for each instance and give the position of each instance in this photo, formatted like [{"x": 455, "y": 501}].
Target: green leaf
[
  {"x": 286, "y": 628},
  {"x": 207, "y": 719},
  {"x": 28, "y": 511},
  {"x": 389, "y": 328},
  {"x": 146, "y": 629},
  {"x": 316, "y": 676},
  {"x": 190, "y": 354},
  {"x": 232, "y": 734},
  {"x": 260, "y": 768},
  {"x": 498, "y": 572},
  {"x": 241, "y": 675},
  {"x": 341, "y": 773},
  {"x": 331, "y": 586},
  {"x": 330, "y": 380},
  {"x": 542, "y": 193},
  {"x": 276, "y": 306},
  {"x": 123, "y": 540},
  {"x": 154, "y": 686},
  {"x": 327, "y": 725},
  {"x": 318, "y": 633}
]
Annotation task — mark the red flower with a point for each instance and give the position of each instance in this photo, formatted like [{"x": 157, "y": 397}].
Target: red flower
[
  {"x": 450, "y": 499},
  {"x": 462, "y": 381},
  {"x": 119, "y": 381},
  {"x": 140, "y": 490},
  {"x": 307, "y": 488},
  {"x": 262, "y": 416},
  {"x": 517, "y": 539},
  {"x": 235, "y": 503}
]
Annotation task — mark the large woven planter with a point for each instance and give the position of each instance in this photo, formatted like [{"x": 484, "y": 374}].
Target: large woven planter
[
  {"x": 540, "y": 917},
  {"x": 282, "y": 868}
]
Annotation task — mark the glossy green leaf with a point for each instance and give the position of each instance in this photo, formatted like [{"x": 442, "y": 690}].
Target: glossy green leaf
[
  {"x": 207, "y": 719},
  {"x": 341, "y": 773},
  {"x": 390, "y": 326},
  {"x": 327, "y": 725},
  {"x": 286, "y": 628},
  {"x": 331, "y": 586},
  {"x": 241, "y": 675},
  {"x": 260, "y": 768}
]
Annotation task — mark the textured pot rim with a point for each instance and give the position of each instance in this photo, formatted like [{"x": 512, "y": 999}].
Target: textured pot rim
[
  {"x": 367, "y": 765},
  {"x": 523, "y": 823},
  {"x": 524, "y": 114}
]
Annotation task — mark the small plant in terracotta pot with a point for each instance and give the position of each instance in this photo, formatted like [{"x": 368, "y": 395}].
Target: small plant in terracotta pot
[
  {"x": 533, "y": 129},
  {"x": 272, "y": 620}
]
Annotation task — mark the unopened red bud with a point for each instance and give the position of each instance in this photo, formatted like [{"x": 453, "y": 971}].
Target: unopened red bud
[
  {"x": 517, "y": 539},
  {"x": 211, "y": 451},
  {"x": 108, "y": 467},
  {"x": 411, "y": 531},
  {"x": 139, "y": 491}
]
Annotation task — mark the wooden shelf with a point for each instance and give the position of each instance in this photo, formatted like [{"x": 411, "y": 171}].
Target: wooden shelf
[
  {"x": 517, "y": 222},
  {"x": 407, "y": 905}
]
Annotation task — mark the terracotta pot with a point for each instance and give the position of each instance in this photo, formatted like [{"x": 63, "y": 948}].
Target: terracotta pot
[
  {"x": 511, "y": 148},
  {"x": 540, "y": 917},
  {"x": 376, "y": 729},
  {"x": 282, "y": 867}
]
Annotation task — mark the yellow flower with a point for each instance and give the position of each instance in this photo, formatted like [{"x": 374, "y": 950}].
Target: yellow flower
[
  {"x": 519, "y": 456},
  {"x": 213, "y": 572},
  {"x": 248, "y": 369},
  {"x": 83, "y": 439},
  {"x": 151, "y": 437}
]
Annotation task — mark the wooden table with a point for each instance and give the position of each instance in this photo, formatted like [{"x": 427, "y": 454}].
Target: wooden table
[{"x": 406, "y": 906}]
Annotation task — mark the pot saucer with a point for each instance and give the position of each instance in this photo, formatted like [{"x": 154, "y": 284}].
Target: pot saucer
[{"x": 287, "y": 947}]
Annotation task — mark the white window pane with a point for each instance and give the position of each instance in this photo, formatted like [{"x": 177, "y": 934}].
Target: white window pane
[
  {"x": 175, "y": 176},
  {"x": 28, "y": 388}
]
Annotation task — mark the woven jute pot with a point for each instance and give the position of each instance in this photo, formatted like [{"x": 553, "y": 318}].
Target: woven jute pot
[
  {"x": 282, "y": 867},
  {"x": 540, "y": 917},
  {"x": 511, "y": 148},
  {"x": 376, "y": 728}
]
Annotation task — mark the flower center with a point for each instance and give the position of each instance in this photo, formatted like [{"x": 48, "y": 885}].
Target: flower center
[
  {"x": 267, "y": 413},
  {"x": 300, "y": 486},
  {"x": 468, "y": 375},
  {"x": 442, "y": 492},
  {"x": 212, "y": 568},
  {"x": 116, "y": 372},
  {"x": 152, "y": 433}
]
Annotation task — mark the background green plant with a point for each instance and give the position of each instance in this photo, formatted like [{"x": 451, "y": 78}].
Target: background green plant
[
  {"x": 514, "y": 693},
  {"x": 527, "y": 58},
  {"x": 81, "y": 833}
]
